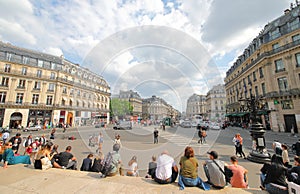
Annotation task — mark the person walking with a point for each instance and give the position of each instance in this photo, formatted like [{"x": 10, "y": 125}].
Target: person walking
[
  {"x": 240, "y": 145},
  {"x": 155, "y": 134},
  {"x": 100, "y": 143},
  {"x": 199, "y": 133}
]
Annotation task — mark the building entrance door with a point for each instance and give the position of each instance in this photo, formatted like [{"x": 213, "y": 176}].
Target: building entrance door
[
  {"x": 290, "y": 120},
  {"x": 15, "y": 120}
]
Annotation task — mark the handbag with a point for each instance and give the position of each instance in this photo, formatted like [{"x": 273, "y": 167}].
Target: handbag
[{"x": 227, "y": 172}]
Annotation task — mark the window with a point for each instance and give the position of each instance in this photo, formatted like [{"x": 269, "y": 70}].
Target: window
[
  {"x": 254, "y": 76},
  {"x": 64, "y": 90},
  {"x": 52, "y": 75},
  {"x": 275, "y": 46},
  {"x": 25, "y": 60},
  {"x": 263, "y": 88},
  {"x": 274, "y": 34},
  {"x": 297, "y": 56},
  {"x": 296, "y": 38},
  {"x": 72, "y": 91},
  {"x": 5, "y": 81},
  {"x": 294, "y": 24},
  {"x": 261, "y": 72},
  {"x": 51, "y": 87},
  {"x": 24, "y": 71},
  {"x": 53, "y": 65},
  {"x": 249, "y": 80},
  {"x": 8, "y": 56},
  {"x": 287, "y": 104},
  {"x": 22, "y": 83},
  {"x": 78, "y": 93},
  {"x": 40, "y": 63},
  {"x": 49, "y": 100},
  {"x": 39, "y": 73},
  {"x": 256, "y": 91},
  {"x": 282, "y": 84},
  {"x": 279, "y": 66},
  {"x": 19, "y": 98},
  {"x": 7, "y": 68},
  {"x": 35, "y": 99},
  {"x": 37, "y": 85},
  {"x": 2, "y": 97}
]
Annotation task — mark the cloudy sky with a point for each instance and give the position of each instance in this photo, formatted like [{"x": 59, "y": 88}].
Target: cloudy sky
[{"x": 167, "y": 48}]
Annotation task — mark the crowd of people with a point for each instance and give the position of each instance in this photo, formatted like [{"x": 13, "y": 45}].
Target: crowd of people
[{"x": 43, "y": 154}]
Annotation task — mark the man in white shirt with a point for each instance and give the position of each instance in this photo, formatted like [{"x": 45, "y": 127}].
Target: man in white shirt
[{"x": 166, "y": 170}]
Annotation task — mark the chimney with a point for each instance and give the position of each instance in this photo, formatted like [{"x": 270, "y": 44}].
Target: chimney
[{"x": 286, "y": 11}]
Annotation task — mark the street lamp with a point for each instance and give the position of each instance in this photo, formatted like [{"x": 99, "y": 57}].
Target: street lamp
[{"x": 259, "y": 152}]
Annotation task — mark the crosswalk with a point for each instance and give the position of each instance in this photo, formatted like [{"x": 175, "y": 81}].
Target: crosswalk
[{"x": 182, "y": 141}]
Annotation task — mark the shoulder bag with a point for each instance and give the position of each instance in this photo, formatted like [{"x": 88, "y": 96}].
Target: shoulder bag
[{"x": 227, "y": 172}]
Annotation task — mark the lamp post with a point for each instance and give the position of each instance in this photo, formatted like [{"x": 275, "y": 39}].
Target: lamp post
[{"x": 259, "y": 152}]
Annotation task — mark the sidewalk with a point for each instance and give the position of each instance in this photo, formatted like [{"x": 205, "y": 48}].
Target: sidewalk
[{"x": 20, "y": 179}]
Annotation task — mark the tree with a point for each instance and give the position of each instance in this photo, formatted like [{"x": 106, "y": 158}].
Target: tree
[{"x": 120, "y": 107}]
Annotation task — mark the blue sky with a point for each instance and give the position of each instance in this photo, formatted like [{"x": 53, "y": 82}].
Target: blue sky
[{"x": 220, "y": 30}]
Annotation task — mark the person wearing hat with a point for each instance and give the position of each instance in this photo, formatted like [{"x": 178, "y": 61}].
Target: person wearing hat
[
  {"x": 16, "y": 141},
  {"x": 214, "y": 175}
]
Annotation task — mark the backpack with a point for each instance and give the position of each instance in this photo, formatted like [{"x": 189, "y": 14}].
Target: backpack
[
  {"x": 96, "y": 167},
  {"x": 107, "y": 164}
]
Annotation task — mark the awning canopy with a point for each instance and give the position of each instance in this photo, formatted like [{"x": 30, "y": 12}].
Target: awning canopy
[{"x": 239, "y": 114}]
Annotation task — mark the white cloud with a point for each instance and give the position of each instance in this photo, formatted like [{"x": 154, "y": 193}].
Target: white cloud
[{"x": 75, "y": 28}]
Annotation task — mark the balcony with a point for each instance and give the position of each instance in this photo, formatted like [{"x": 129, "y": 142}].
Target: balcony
[{"x": 279, "y": 70}]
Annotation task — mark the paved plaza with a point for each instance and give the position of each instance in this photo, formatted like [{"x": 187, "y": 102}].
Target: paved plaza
[{"x": 139, "y": 142}]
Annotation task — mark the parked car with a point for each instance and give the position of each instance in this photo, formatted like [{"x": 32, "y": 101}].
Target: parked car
[
  {"x": 214, "y": 126},
  {"x": 33, "y": 128},
  {"x": 127, "y": 125},
  {"x": 186, "y": 124}
]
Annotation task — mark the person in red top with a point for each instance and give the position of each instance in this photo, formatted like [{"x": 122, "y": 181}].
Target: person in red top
[
  {"x": 240, "y": 145},
  {"x": 239, "y": 178}
]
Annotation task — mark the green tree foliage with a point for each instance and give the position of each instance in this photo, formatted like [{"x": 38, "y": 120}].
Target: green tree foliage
[{"x": 120, "y": 108}]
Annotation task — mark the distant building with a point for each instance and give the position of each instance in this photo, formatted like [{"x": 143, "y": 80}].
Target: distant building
[
  {"x": 216, "y": 103},
  {"x": 196, "y": 105},
  {"x": 41, "y": 89},
  {"x": 135, "y": 100},
  {"x": 157, "y": 109},
  {"x": 269, "y": 68}
]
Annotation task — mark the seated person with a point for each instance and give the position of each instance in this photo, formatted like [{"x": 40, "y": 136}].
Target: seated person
[
  {"x": 9, "y": 157},
  {"x": 133, "y": 167},
  {"x": 294, "y": 173},
  {"x": 151, "y": 168},
  {"x": 166, "y": 170},
  {"x": 273, "y": 177},
  {"x": 116, "y": 165},
  {"x": 97, "y": 165},
  {"x": 67, "y": 160},
  {"x": 239, "y": 178},
  {"x": 189, "y": 171},
  {"x": 87, "y": 163},
  {"x": 212, "y": 170}
]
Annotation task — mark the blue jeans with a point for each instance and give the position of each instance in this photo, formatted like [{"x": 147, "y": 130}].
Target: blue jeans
[
  {"x": 275, "y": 190},
  {"x": 183, "y": 181}
]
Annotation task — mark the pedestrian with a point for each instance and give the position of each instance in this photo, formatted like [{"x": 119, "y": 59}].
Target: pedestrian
[
  {"x": 240, "y": 145},
  {"x": 239, "y": 178},
  {"x": 65, "y": 128},
  {"x": 5, "y": 136},
  {"x": 52, "y": 133},
  {"x": 204, "y": 135},
  {"x": 155, "y": 134},
  {"x": 27, "y": 143},
  {"x": 235, "y": 141},
  {"x": 277, "y": 147},
  {"x": 297, "y": 147},
  {"x": 100, "y": 143},
  {"x": 285, "y": 155},
  {"x": 199, "y": 133},
  {"x": 118, "y": 140},
  {"x": 292, "y": 131},
  {"x": 16, "y": 141}
]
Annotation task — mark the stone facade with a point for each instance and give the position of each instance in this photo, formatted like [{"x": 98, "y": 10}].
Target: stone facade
[
  {"x": 269, "y": 69},
  {"x": 39, "y": 89}
]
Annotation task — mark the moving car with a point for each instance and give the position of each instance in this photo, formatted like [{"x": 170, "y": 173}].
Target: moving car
[
  {"x": 123, "y": 125},
  {"x": 33, "y": 128},
  {"x": 186, "y": 124}
]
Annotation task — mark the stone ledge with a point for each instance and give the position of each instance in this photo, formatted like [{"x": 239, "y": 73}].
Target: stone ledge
[{"x": 20, "y": 179}]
